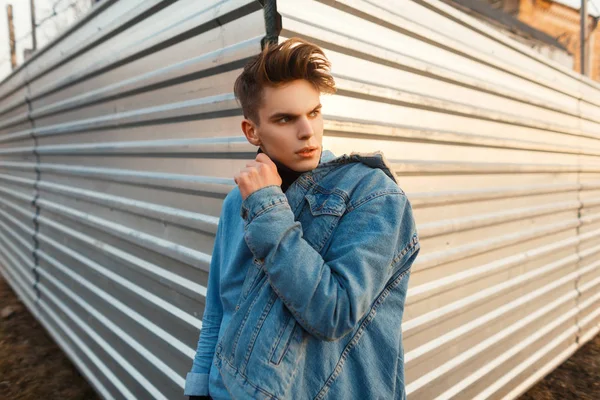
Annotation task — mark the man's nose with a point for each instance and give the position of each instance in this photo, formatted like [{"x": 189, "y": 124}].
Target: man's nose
[{"x": 305, "y": 129}]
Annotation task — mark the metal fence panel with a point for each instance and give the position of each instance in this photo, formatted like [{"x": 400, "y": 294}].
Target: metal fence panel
[
  {"x": 116, "y": 152},
  {"x": 497, "y": 150},
  {"x": 119, "y": 141}
]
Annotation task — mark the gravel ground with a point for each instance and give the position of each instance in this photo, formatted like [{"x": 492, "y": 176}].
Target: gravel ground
[{"x": 32, "y": 366}]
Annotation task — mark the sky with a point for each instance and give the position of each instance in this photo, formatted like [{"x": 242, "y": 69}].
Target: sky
[{"x": 67, "y": 12}]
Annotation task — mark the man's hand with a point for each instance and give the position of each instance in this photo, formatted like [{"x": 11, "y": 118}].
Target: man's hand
[{"x": 258, "y": 174}]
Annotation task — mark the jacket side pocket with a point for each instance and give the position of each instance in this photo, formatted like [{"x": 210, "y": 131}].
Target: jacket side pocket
[
  {"x": 282, "y": 342},
  {"x": 252, "y": 277}
]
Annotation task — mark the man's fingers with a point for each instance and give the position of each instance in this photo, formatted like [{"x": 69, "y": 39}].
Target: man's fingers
[
  {"x": 238, "y": 177},
  {"x": 249, "y": 170},
  {"x": 254, "y": 170},
  {"x": 263, "y": 158},
  {"x": 244, "y": 174}
]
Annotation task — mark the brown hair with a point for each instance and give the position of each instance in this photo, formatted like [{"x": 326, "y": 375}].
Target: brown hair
[{"x": 292, "y": 59}]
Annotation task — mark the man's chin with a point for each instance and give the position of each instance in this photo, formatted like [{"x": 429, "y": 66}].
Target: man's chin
[{"x": 306, "y": 165}]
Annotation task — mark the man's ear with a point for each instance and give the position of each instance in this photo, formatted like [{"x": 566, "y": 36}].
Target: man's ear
[{"x": 249, "y": 129}]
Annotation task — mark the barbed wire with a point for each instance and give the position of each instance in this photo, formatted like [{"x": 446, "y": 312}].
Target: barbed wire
[{"x": 55, "y": 13}]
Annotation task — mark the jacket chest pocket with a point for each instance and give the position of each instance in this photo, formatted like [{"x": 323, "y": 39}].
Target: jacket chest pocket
[{"x": 320, "y": 216}]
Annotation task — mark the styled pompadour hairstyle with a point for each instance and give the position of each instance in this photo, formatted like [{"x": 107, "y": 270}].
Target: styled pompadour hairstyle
[{"x": 290, "y": 60}]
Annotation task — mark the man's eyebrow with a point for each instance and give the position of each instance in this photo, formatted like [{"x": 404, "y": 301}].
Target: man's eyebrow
[{"x": 280, "y": 115}]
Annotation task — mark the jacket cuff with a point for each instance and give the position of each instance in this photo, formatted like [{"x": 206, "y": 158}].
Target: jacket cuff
[
  {"x": 261, "y": 201},
  {"x": 196, "y": 384}
]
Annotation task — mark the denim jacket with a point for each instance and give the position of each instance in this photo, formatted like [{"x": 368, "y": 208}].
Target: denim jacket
[{"x": 315, "y": 280}]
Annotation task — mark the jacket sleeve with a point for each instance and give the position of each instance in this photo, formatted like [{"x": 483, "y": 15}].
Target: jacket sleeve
[
  {"x": 196, "y": 382},
  {"x": 329, "y": 296}
]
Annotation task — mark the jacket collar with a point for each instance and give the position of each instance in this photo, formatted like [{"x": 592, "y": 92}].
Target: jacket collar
[
  {"x": 374, "y": 159},
  {"x": 326, "y": 156}
]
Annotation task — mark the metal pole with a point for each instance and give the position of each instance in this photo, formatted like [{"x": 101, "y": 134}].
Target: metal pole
[
  {"x": 33, "y": 26},
  {"x": 583, "y": 38},
  {"x": 11, "y": 37}
]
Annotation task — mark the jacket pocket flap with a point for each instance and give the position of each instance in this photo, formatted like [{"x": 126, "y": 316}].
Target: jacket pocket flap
[{"x": 325, "y": 203}]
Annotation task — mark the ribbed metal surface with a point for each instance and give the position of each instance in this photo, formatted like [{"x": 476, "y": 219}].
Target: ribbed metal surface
[
  {"x": 117, "y": 147},
  {"x": 497, "y": 149},
  {"x": 119, "y": 142}
]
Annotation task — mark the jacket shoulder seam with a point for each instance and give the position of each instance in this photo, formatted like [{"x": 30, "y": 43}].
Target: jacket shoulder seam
[{"x": 363, "y": 200}]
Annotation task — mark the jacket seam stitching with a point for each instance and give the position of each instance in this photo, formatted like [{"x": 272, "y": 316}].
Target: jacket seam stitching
[
  {"x": 243, "y": 323},
  {"x": 279, "y": 335},
  {"x": 273, "y": 397},
  {"x": 326, "y": 236},
  {"x": 372, "y": 196},
  {"x": 412, "y": 243},
  {"x": 296, "y": 315},
  {"x": 256, "y": 330},
  {"x": 359, "y": 333},
  {"x": 264, "y": 209}
]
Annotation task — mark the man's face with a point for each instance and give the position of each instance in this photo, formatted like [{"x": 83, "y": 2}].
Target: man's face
[{"x": 290, "y": 120}]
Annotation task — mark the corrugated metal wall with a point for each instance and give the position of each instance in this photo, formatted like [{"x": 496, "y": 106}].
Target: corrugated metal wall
[
  {"x": 119, "y": 142},
  {"x": 497, "y": 149},
  {"x": 118, "y": 145}
]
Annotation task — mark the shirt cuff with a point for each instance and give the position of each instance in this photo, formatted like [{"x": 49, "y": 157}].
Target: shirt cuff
[
  {"x": 261, "y": 201},
  {"x": 196, "y": 384}
]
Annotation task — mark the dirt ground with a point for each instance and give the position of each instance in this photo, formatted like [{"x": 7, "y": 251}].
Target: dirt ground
[
  {"x": 578, "y": 378},
  {"x": 33, "y": 367}
]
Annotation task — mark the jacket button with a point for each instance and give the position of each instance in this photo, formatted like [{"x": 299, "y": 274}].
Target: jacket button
[{"x": 237, "y": 307}]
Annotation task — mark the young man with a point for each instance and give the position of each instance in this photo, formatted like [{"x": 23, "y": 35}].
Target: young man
[{"x": 312, "y": 256}]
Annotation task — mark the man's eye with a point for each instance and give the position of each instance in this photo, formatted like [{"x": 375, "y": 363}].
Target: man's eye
[
  {"x": 314, "y": 113},
  {"x": 283, "y": 120}
]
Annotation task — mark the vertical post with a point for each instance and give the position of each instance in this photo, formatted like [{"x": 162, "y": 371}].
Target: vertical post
[
  {"x": 583, "y": 39},
  {"x": 33, "y": 26},
  {"x": 11, "y": 37}
]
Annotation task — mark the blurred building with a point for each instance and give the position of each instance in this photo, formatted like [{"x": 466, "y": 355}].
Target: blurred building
[
  {"x": 500, "y": 15},
  {"x": 561, "y": 19},
  {"x": 557, "y": 19}
]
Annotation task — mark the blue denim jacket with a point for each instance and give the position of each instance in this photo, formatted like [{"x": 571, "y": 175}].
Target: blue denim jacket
[{"x": 307, "y": 288}]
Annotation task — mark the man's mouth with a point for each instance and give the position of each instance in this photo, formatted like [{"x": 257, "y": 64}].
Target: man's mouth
[{"x": 309, "y": 152}]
